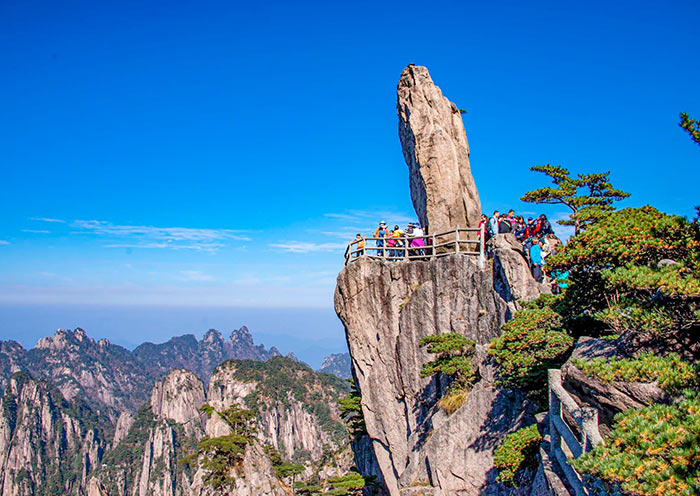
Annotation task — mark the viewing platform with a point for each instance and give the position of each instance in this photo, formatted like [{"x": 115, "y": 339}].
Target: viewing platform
[{"x": 465, "y": 241}]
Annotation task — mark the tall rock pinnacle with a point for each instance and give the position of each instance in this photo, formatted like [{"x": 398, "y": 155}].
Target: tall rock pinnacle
[{"x": 437, "y": 153}]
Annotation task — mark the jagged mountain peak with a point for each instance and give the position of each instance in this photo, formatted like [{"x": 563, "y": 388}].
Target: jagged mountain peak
[
  {"x": 337, "y": 364},
  {"x": 213, "y": 336},
  {"x": 178, "y": 396},
  {"x": 64, "y": 338}
]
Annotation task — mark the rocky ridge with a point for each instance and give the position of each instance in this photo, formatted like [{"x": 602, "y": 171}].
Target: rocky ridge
[
  {"x": 111, "y": 377},
  {"x": 337, "y": 364}
]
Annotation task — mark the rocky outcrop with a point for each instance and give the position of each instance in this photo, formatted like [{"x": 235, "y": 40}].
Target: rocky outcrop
[
  {"x": 179, "y": 397},
  {"x": 297, "y": 411},
  {"x": 609, "y": 398},
  {"x": 512, "y": 278},
  {"x": 47, "y": 445},
  {"x": 435, "y": 147},
  {"x": 387, "y": 308},
  {"x": 337, "y": 364}
]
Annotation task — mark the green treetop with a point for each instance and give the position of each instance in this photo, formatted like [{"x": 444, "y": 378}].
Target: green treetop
[
  {"x": 589, "y": 196},
  {"x": 691, "y": 126},
  {"x": 220, "y": 455}
]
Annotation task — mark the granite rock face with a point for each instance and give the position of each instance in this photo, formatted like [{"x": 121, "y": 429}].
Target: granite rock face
[
  {"x": 47, "y": 445},
  {"x": 511, "y": 272},
  {"x": 609, "y": 398},
  {"x": 436, "y": 150},
  {"x": 387, "y": 308}
]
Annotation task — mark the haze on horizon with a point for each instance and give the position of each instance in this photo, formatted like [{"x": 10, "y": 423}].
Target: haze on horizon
[{"x": 169, "y": 167}]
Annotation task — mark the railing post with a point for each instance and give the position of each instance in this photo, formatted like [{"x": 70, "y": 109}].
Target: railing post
[
  {"x": 589, "y": 424},
  {"x": 482, "y": 246},
  {"x": 457, "y": 239},
  {"x": 554, "y": 411},
  {"x": 364, "y": 244}
]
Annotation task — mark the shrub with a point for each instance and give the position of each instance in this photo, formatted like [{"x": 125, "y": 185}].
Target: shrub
[
  {"x": 517, "y": 451},
  {"x": 350, "y": 408},
  {"x": 672, "y": 373},
  {"x": 454, "y": 357},
  {"x": 533, "y": 342},
  {"x": 219, "y": 455},
  {"x": 654, "y": 450},
  {"x": 453, "y": 399}
]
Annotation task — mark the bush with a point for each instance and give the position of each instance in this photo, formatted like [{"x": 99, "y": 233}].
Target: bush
[
  {"x": 454, "y": 357},
  {"x": 350, "y": 408},
  {"x": 533, "y": 342},
  {"x": 517, "y": 451},
  {"x": 672, "y": 373},
  {"x": 650, "y": 451}
]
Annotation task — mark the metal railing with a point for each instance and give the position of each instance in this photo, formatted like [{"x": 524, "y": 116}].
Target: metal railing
[
  {"x": 467, "y": 241},
  {"x": 586, "y": 418}
]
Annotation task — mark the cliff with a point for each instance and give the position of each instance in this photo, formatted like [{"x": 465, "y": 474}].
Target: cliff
[
  {"x": 387, "y": 308},
  {"x": 48, "y": 445}
]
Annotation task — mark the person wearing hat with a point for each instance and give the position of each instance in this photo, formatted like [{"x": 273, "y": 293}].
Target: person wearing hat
[{"x": 381, "y": 233}]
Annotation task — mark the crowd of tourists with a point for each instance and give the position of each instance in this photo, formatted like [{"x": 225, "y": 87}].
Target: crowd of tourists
[{"x": 535, "y": 234}]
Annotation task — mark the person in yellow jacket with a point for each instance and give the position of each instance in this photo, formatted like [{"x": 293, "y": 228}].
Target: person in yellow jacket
[
  {"x": 359, "y": 245},
  {"x": 397, "y": 235}
]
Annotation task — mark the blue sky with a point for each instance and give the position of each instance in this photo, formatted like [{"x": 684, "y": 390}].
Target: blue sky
[{"x": 219, "y": 154}]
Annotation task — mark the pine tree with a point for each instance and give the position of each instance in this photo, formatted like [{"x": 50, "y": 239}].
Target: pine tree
[{"x": 587, "y": 206}]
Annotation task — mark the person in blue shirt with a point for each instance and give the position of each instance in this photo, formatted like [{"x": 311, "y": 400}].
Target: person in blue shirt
[
  {"x": 536, "y": 260},
  {"x": 494, "y": 222},
  {"x": 381, "y": 233}
]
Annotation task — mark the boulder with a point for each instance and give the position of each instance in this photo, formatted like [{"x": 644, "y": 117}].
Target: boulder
[
  {"x": 511, "y": 272},
  {"x": 435, "y": 147},
  {"x": 608, "y": 398}
]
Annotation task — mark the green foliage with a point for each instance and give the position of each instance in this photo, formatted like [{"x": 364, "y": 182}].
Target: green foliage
[
  {"x": 650, "y": 451},
  {"x": 281, "y": 380},
  {"x": 518, "y": 450},
  {"x": 617, "y": 283},
  {"x": 586, "y": 208},
  {"x": 454, "y": 357},
  {"x": 348, "y": 484},
  {"x": 532, "y": 342},
  {"x": 691, "y": 126},
  {"x": 672, "y": 373},
  {"x": 350, "y": 408},
  {"x": 283, "y": 469},
  {"x": 220, "y": 455}
]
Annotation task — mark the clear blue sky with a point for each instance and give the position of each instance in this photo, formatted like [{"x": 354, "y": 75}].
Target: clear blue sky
[{"x": 157, "y": 153}]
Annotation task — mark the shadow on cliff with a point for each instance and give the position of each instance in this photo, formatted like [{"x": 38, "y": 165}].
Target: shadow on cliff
[{"x": 509, "y": 412}]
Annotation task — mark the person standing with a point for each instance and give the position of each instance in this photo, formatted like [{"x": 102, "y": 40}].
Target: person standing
[
  {"x": 381, "y": 233},
  {"x": 536, "y": 260},
  {"x": 494, "y": 222}
]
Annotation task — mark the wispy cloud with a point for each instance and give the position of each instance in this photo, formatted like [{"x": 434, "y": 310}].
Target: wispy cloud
[
  {"x": 169, "y": 245},
  {"x": 307, "y": 247},
  {"x": 3, "y": 242},
  {"x": 194, "y": 275},
  {"x": 47, "y": 219},
  {"x": 372, "y": 216},
  {"x": 150, "y": 237},
  {"x": 36, "y": 231}
]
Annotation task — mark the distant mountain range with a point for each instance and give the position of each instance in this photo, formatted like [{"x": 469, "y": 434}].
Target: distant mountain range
[
  {"x": 91, "y": 418},
  {"x": 110, "y": 376},
  {"x": 337, "y": 364}
]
